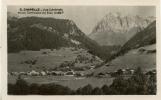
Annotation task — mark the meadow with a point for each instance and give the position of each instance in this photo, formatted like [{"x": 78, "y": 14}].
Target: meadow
[{"x": 69, "y": 81}]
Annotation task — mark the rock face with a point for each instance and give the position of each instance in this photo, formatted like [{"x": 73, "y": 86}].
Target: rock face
[{"x": 116, "y": 29}]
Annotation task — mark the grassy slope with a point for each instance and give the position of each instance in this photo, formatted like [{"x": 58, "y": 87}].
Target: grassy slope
[
  {"x": 44, "y": 61},
  {"x": 132, "y": 59}
]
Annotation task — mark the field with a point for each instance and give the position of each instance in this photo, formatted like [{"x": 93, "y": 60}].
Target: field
[{"x": 71, "y": 82}]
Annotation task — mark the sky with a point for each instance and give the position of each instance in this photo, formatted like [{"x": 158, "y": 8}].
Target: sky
[{"x": 86, "y": 17}]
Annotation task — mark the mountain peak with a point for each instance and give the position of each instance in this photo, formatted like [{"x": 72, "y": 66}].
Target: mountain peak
[{"x": 116, "y": 28}]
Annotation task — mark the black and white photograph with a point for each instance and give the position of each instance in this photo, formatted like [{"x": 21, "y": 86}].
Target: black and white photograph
[{"x": 81, "y": 50}]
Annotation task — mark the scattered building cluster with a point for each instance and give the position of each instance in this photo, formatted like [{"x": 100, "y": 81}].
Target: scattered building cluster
[
  {"x": 45, "y": 73},
  {"x": 123, "y": 72}
]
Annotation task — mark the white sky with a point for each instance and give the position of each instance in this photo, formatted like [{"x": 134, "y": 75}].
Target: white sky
[{"x": 86, "y": 17}]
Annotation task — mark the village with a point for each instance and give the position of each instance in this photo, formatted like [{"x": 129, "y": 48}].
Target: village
[
  {"x": 120, "y": 72},
  {"x": 45, "y": 73}
]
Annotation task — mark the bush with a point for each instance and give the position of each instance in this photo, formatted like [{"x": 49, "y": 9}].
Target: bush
[
  {"x": 86, "y": 90},
  {"x": 21, "y": 87},
  {"x": 97, "y": 91}
]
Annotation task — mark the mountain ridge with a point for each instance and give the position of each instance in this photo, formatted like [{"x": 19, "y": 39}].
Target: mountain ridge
[{"x": 120, "y": 28}]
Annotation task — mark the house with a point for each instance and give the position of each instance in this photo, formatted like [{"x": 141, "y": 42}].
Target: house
[
  {"x": 22, "y": 73},
  {"x": 50, "y": 28},
  {"x": 70, "y": 73},
  {"x": 132, "y": 71},
  {"x": 33, "y": 73},
  {"x": 42, "y": 73},
  {"x": 154, "y": 71},
  {"x": 57, "y": 73},
  {"x": 124, "y": 71},
  {"x": 129, "y": 71},
  {"x": 92, "y": 67}
]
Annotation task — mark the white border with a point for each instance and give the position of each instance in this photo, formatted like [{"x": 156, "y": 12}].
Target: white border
[
  {"x": 77, "y": 2},
  {"x": 0, "y": 52}
]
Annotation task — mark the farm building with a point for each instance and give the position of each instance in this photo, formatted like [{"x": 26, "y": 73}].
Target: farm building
[
  {"x": 33, "y": 73},
  {"x": 70, "y": 73}
]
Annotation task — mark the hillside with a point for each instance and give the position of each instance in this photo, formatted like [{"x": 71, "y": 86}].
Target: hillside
[
  {"x": 35, "y": 33},
  {"x": 132, "y": 59},
  {"x": 139, "y": 51},
  {"x": 142, "y": 38},
  {"x": 63, "y": 59},
  {"x": 117, "y": 29}
]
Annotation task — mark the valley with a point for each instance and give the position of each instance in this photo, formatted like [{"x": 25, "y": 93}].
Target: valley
[{"x": 46, "y": 51}]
